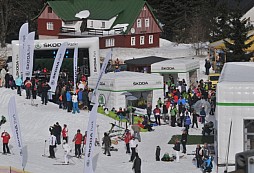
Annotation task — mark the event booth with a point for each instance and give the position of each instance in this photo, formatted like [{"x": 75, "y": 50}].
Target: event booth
[
  {"x": 178, "y": 68},
  {"x": 121, "y": 89},
  {"x": 235, "y": 103}
]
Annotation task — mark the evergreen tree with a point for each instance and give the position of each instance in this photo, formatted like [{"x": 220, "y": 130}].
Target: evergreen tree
[{"x": 237, "y": 36}]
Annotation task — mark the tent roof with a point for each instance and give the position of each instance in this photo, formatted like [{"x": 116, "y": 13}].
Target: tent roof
[
  {"x": 237, "y": 72},
  {"x": 145, "y": 60},
  {"x": 128, "y": 74}
]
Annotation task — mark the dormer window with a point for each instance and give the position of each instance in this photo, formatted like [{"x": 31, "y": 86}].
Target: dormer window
[
  {"x": 49, "y": 10},
  {"x": 139, "y": 23},
  {"x": 103, "y": 24}
]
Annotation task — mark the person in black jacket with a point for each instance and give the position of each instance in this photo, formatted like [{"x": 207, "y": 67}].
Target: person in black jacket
[
  {"x": 198, "y": 156},
  {"x": 194, "y": 119},
  {"x": 184, "y": 140},
  {"x": 137, "y": 164},
  {"x": 44, "y": 92},
  {"x": 157, "y": 153},
  {"x": 58, "y": 130}
]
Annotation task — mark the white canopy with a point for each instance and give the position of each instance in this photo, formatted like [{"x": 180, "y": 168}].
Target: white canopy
[{"x": 182, "y": 65}]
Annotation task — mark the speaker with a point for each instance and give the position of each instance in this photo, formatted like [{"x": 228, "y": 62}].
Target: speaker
[{"x": 242, "y": 160}]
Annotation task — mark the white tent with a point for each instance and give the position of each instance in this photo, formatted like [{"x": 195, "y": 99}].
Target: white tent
[
  {"x": 235, "y": 101},
  {"x": 179, "y": 68},
  {"x": 113, "y": 86}
]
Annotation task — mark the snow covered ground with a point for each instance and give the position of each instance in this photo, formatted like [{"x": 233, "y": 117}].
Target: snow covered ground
[{"x": 35, "y": 122}]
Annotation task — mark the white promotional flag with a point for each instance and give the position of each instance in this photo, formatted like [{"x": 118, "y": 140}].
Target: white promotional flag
[
  {"x": 23, "y": 32},
  {"x": 16, "y": 131},
  {"x": 28, "y": 56},
  {"x": 75, "y": 66},
  {"x": 56, "y": 66},
  {"x": 91, "y": 129}
]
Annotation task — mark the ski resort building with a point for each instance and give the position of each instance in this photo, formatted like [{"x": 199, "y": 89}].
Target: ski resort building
[{"x": 117, "y": 23}]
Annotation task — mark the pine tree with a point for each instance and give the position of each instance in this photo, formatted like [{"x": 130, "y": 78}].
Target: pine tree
[{"x": 237, "y": 36}]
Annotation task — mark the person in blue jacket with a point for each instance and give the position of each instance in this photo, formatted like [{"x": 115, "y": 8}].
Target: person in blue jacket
[
  {"x": 18, "y": 82},
  {"x": 68, "y": 99}
]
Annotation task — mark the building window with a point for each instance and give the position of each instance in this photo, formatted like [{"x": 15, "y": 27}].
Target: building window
[
  {"x": 49, "y": 10},
  {"x": 147, "y": 23},
  {"x": 144, "y": 8},
  {"x": 133, "y": 41},
  {"x": 91, "y": 24},
  {"x": 142, "y": 40},
  {"x": 50, "y": 26},
  {"x": 103, "y": 24},
  {"x": 150, "y": 39},
  {"x": 110, "y": 42},
  {"x": 139, "y": 23}
]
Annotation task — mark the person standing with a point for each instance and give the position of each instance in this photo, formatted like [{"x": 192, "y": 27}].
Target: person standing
[
  {"x": 67, "y": 151},
  {"x": 44, "y": 92},
  {"x": 78, "y": 140},
  {"x": 136, "y": 129},
  {"x": 207, "y": 66},
  {"x": 194, "y": 119},
  {"x": 52, "y": 145},
  {"x": 58, "y": 130},
  {"x": 137, "y": 164},
  {"x": 68, "y": 99},
  {"x": 75, "y": 103},
  {"x": 149, "y": 111},
  {"x": 6, "y": 137},
  {"x": 107, "y": 143},
  {"x": 65, "y": 133},
  {"x": 198, "y": 156},
  {"x": 28, "y": 86},
  {"x": 184, "y": 140},
  {"x": 18, "y": 82},
  {"x": 203, "y": 114},
  {"x": 127, "y": 138},
  {"x": 133, "y": 146},
  {"x": 157, "y": 114},
  {"x": 177, "y": 149},
  {"x": 173, "y": 112}
]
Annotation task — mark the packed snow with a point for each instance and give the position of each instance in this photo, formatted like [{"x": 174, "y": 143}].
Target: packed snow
[{"x": 35, "y": 123}]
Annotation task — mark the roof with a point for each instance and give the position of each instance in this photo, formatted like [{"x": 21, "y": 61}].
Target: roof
[
  {"x": 145, "y": 60},
  {"x": 126, "y": 11},
  {"x": 180, "y": 65},
  {"x": 237, "y": 72},
  {"x": 128, "y": 75}
]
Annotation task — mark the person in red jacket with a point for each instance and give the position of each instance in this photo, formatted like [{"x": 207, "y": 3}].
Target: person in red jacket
[
  {"x": 78, "y": 140},
  {"x": 65, "y": 133},
  {"x": 6, "y": 137},
  {"x": 127, "y": 138}
]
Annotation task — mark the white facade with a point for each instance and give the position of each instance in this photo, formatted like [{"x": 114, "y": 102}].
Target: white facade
[
  {"x": 113, "y": 85},
  {"x": 91, "y": 43},
  {"x": 235, "y": 101},
  {"x": 180, "y": 68}
]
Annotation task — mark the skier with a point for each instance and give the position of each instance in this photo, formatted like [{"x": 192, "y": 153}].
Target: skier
[
  {"x": 75, "y": 103},
  {"x": 107, "y": 142},
  {"x": 77, "y": 139},
  {"x": 3, "y": 120},
  {"x": 52, "y": 145},
  {"x": 6, "y": 137},
  {"x": 67, "y": 151},
  {"x": 65, "y": 133},
  {"x": 137, "y": 164}
]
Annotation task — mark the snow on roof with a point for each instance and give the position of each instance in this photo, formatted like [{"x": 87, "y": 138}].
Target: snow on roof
[{"x": 237, "y": 72}]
